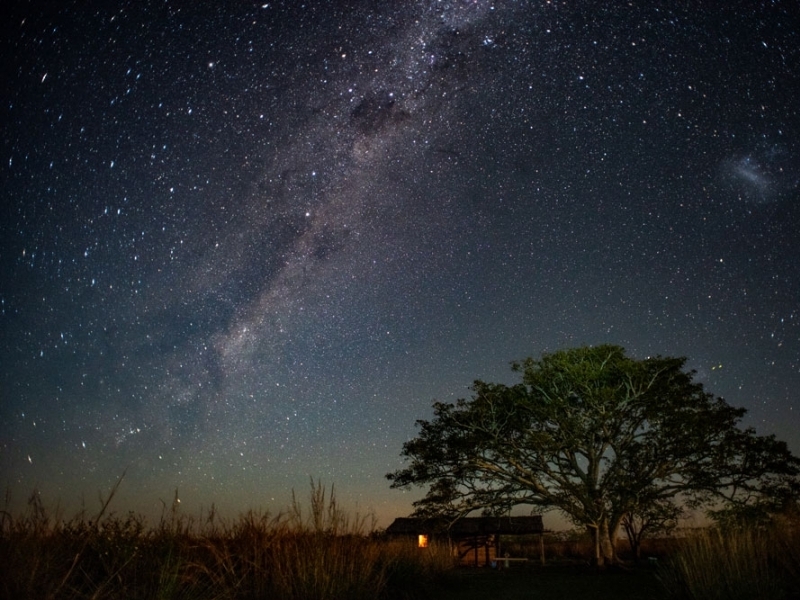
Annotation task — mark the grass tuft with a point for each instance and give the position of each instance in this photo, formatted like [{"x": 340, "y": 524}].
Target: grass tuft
[{"x": 744, "y": 563}]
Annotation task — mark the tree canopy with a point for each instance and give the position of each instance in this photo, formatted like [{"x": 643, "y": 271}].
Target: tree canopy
[{"x": 597, "y": 435}]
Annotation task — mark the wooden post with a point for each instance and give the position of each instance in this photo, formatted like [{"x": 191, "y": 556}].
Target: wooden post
[{"x": 541, "y": 547}]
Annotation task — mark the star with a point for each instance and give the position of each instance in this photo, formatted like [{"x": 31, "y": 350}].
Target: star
[{"x": 247, "y": 245}]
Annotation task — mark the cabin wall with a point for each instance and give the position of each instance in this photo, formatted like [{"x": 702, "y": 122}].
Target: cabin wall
[{"x": 475, "y": 551}]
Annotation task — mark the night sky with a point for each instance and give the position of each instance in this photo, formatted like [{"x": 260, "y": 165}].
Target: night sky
[{"x": 245, "y": 244}]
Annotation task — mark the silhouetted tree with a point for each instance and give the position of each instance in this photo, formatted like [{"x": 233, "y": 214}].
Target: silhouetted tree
[{"x": 596, "y": 435}]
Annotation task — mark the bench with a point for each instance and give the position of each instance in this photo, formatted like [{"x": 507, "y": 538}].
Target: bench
[{"x": 506, "y": 561}]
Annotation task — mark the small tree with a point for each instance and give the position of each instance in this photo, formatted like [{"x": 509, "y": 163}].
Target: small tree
[
  {"x": 596, "y": 435},
  {"x": 658, "y": 517}
]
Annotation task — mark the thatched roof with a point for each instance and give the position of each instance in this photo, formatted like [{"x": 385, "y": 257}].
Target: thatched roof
[{"x": 468, "y": 526}]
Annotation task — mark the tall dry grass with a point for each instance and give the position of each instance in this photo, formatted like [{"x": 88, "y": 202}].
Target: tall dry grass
[
  {"x": 743, "y": 563},
  {"x": 317, "y": 552}
]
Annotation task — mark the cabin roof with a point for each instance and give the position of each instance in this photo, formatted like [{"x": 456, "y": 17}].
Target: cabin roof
[{"x": 468, "y": 525}]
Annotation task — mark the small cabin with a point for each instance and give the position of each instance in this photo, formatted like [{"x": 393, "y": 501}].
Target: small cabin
[{"x": 475, "y": 541}]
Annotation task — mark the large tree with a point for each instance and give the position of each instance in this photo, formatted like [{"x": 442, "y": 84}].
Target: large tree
[{"x": 597, "y": 435}]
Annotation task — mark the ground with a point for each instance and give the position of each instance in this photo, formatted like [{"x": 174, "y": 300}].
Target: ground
[{"x": 550, "y": 583}]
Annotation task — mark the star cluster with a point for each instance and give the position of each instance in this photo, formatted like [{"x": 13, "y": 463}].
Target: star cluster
[{"x": 247, "y": 245}]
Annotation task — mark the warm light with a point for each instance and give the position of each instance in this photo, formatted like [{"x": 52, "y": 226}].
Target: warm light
[{"x": 422, "y": 541}]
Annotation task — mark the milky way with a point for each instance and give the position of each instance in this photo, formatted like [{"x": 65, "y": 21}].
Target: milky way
[{"x": 245, "y": 246}]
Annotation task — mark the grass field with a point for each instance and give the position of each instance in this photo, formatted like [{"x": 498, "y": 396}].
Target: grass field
[{"x": 318, "y": 552}]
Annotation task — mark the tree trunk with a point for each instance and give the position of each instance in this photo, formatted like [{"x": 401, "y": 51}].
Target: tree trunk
[
  {"x": 603, "y": 541},
  {"x": 598, "y": 560},
  {"x": 607, "y": 542},
  {"x": 613, "y": 533},
  {"x": 637, "y": 551}
]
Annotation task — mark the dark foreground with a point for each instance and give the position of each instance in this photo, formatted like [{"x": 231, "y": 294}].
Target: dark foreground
[{"x": 549, "y": 583}]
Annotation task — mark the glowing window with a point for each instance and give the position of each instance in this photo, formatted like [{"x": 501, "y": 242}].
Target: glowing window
[{"x": 422, "y": 541}]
